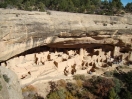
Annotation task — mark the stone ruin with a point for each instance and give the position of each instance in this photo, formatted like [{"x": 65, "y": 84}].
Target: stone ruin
[{"x": 64, "y": 61}]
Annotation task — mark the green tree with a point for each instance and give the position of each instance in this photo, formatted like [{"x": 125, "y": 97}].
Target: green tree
[
  {"x": 113, "y": 94},
  {"x": 128, "y": 7},
  {"x": 41, "y": 6},
  {"x": 117, "y": 85},
  {"x": 76, "y": 3},
  {"x": 117, "y": 4},
  {"x": 63, "y": 5},
  {"x": 126, "y": 94},
  {"x": 27, "y": 6},
  {"x": 128, "y": 80},
  {"x": 70, "y": 6}
]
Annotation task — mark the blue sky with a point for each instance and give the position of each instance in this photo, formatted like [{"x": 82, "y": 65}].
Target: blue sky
[{"x": 125, "y": 1}]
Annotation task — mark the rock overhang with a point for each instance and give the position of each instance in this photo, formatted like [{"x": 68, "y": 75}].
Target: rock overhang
[{"x": 33, "y": 29}]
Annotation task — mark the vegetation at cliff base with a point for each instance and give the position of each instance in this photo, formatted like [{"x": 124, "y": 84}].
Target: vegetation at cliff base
[
  {"x": 105, "y": 7},
  {"x": 118, "y": 86}
]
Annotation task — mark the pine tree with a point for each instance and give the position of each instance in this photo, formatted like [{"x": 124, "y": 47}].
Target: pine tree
[{"x": 128, "y": 7}]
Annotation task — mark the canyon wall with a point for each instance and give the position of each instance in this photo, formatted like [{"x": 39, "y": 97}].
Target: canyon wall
[
  {"x": 9, "y": 84},
  {"x": 40, "y": 47},
  {"x": 23, "y": 30}
]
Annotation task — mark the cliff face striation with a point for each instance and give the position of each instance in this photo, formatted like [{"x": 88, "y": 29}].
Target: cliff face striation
[
  {"x": 40, "y": 47},
  {"x": 23, "y": 30}
]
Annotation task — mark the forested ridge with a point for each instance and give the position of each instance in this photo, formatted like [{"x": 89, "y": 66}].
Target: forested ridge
[{"x": 105, "y": 7}]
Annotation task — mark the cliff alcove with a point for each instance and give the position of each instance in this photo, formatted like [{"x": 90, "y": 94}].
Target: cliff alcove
[{"x": 39, "y": 47}]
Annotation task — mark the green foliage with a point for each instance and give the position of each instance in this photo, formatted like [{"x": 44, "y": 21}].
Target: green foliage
[
  {"x": 80, "y": 6},
  {"x": 99, "y": 86},
  {"x": 117, "y": 85},
  {"x": 113, "y": 94},
  {"x": 128, "y": 7},
  {"x": 6, "y": 78},
  {"x": 53, "y": 86},
  {"x": 58, "y": 94},
  {"x": 69, "y": 95},
  {"x": 94, "y": 88},
  {"x": 41, "y": 7},
  {"x": 128, "y": 80},
  {"x": 79, "y": 77},
  {"x": 32, "y": 93},
  {"x": 108, "y": 73},
  {"x": 3, "y": 5},
  {"x": 48, "y": 12},
  {"x": 0, "y": 86},
  {"x": 126, "y": 94},
  {"x": 71, "y": 86}
]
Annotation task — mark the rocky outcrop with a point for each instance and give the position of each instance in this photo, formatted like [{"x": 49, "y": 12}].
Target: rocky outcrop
[
  {"x": 9, "y": 85},
  {"x": 23, "y": 30}
]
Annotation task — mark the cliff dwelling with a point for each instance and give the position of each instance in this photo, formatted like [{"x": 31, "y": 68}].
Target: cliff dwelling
[
  {"x": 66, "y": 59},
  {"x": 38, "y": 47}
]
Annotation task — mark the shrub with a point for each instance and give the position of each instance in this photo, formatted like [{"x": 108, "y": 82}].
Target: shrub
[
  {"x": 28, "y": 88},
  {"x": 117, "y": 85},
  {"x": 53, "y": 86},
  {"x": 113, "y": 94},
  {"x": 79, "y": 77},
  {"x": 58, "y": 94},
  {"x": 99, "y": 86},
  {"x": 125, "y": 94},
  {"x": 41, "y": 7},
  {"x": 0, "y": 86},
  {"x": 108, "y": 73},
  {"x": 61, "y": 83},
  {"x": 30, "y": 92},
  {"x": 49, "y": 13},
  {"x": 53, "y": 95},
  {"x": 128, "y": 80},
  {"x": 6, "y": 78},
  {"x": 71, "y": 86},
  {"x": 3, "y": 5},
  {"x": 79, "y": 83},
  {"x": 122, "y": 13},
  {"x": 69, "y": 96}
]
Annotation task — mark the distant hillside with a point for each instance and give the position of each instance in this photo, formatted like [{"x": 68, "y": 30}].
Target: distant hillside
[{"x": 105, "y": 7}]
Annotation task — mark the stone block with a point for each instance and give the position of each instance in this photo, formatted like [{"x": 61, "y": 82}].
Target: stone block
[
  {"x": 46, "y": 53},
  {"x": 130, "y": 56},
  {"x": 71, "y": 62},
  {"x": 87, "y": 58},
  {"x": 58, "y": 59},
  {"x": 65, "y": 56},
  {"x": 49, "y": 63},
  {"x": 62, "y": 65},
  {"x": 94, "y": 57},
  {"x": 116, "y": 51},
  {"x": 52, "y": 56},
  {"x": 30, "y": 57},
  {"x": 81, "y": 53},
  {"x": 21, "y": 59},
  {"x": 13, "y": 62},
  {"x": 70, "y": 53},
  {"x": 3, "y": 64}
]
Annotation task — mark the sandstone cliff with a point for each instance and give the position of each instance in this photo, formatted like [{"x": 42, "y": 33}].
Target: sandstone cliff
[
  {"x": 9, "y": 85},
  {"x": 23, "y": 30},
  {"x": 40, "y": 47}
]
